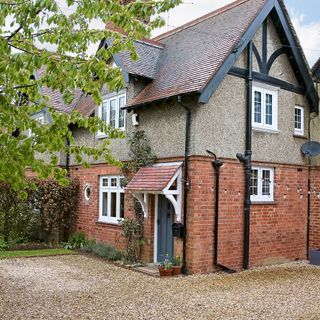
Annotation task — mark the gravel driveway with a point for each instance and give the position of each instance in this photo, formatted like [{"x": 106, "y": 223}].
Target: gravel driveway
[{"x": 80, "y": 287}]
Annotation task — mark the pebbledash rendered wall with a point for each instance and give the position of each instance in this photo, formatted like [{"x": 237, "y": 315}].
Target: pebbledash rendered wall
[{"x": 278, "y": 229}]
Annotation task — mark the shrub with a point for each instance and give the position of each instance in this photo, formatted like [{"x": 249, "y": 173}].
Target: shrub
[
  {"x": 88, "y": 246},
  {"x": 107, "y": 251},
  {"x": 132, "y": 233},
  {"x": 77, "y": 240},
  {"x": 47, "y": 208},
  {"x": 3, "y": 245}
]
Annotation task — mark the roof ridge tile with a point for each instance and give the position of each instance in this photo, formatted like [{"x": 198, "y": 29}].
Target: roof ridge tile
[{"x": 200, "y": 19}]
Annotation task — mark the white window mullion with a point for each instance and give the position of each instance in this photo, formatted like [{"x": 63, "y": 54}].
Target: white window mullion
[
  {"x": 110, "y": 190},
  {"x": 260, "y": 196},
  {"x": 117, "y": 113},
  {"x": 262, "y": 124}
]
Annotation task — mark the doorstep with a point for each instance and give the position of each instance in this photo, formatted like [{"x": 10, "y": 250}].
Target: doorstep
[{"x": 150, "y": 269}]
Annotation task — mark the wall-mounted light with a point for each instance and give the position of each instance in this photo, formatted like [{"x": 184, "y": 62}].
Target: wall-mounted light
[{"x": 135, "y": 119}]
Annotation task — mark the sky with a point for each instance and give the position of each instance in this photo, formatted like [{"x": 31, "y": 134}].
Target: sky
[{"x": 305, "y": 15}]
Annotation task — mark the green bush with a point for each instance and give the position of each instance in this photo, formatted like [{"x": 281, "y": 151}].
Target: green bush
[
  {"x": 3, "y": 245},
  {"x": 88, "y": 246},
  {"x": 48, "y": 207},
  {"x": 77, "y": 240},
  {"x": 107, "y": 251}
]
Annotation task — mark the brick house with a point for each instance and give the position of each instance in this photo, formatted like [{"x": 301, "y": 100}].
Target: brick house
[{"x": 233, "y": 82}]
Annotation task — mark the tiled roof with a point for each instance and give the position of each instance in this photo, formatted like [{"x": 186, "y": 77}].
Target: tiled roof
[
  {"x": 154, "y": 178},
  {"x": 149, "y": 55},
  {"x": 316, "y": 70},
  {"x": 193, "y": 53},
  {"x": 81, "y": 102}
]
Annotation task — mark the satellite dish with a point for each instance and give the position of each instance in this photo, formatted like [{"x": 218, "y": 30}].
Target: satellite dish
[{"x": 311, "y": 148}]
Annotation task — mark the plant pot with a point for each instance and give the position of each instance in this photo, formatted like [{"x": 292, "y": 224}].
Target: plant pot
[
  {"x": 165, "y": 273},
  {"x": 176, "y": 270}
]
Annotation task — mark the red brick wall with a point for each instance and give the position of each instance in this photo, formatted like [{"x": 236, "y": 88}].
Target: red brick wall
[
  {"x": 88, "y": 211},
  {"x": 315, "y": 209},
  {"x": 278, "y": 230}
]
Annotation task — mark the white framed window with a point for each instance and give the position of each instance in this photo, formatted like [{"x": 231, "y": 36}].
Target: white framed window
[
  {"x": 111, "y": 199},
  {"x": 111, "y": 111},
  {"x": 265, "y": 109},
  {"x": 262, "y": 184},
  {"x": 299, "y": 120},
  {"x": 40, "y": 119}
]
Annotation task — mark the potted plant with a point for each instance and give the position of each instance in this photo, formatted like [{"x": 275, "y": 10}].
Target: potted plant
[
  {"x": 165, "y": 269},
  {"x": 176, "y": 266}
]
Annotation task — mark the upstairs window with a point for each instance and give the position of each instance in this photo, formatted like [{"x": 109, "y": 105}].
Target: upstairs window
[
  {"x": 262, "y": 184},
  {"x": 111, "y": 204},
  {"x": 264, "y": 109},
  {"x": 299, "y": 121},
  {"x": 111, "y": 111}
]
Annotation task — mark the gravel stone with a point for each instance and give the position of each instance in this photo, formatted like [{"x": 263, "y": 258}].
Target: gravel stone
[{"x": 82, "y": 287}]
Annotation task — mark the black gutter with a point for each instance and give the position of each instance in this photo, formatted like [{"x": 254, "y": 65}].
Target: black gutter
[
  {"x": 246, "y": 159},
  {"x": 309, "y": 192},
  {"x": 186, "y": 182}
]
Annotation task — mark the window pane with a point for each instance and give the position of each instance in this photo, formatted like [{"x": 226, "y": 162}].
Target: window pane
[
  {"x": 257, "y": 107},
  {"x": 269, "y": 109},
  {"x": 266, "y": 182},
  {"x": 104, "y": 111},
  {"x": 254, "y": 182},
  {"x": 105, "y": 182},
  {"x": 113, "y": 204},
  {"x": 113, "y": 105},
  {"x": 297, "y": 119},
  {"x": 113, "y": 182},
  {"x": 121, "y": 205},
  {"x": 121, "y": 112},
  {"x": 104, "y": 204}
]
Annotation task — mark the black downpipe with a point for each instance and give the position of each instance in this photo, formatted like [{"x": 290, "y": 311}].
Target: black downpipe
[
  {"x": 309, "y": 192},
  {"x": 217, "y": 164},
  {"x": 68, "y": 156},
  {"x": 186, "y": 182},
  {"x": 246, "y": 159}
]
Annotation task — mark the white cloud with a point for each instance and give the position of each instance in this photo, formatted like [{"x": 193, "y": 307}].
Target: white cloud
[{"x": 309, "y": 36}]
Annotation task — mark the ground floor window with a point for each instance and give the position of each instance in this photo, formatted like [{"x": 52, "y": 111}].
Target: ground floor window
[
  {"x": 262, "y": 184},
  {"x": 111, "y": 199}
]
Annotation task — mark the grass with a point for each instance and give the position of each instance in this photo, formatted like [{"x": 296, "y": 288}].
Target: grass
[{"x": 34, "y": 253}]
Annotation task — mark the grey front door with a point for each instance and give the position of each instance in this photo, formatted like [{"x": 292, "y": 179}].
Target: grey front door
[{"x": 165, "y": 221}]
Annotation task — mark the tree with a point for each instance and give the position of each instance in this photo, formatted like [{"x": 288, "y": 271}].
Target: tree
[{"x": 27, "y": 28}]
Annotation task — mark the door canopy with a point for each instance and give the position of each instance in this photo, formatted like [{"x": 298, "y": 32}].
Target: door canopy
[{"x": 161, "y": 178}]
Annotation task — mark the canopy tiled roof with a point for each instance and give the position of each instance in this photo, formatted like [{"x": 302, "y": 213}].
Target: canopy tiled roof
[
  {"x": 194, "y": 52},
  {"x": 154, "y": 178}
]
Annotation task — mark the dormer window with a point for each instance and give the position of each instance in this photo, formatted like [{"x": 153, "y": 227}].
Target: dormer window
[
  {"x": 111, "y": 111},
  {"x": 264, "y": 109}
]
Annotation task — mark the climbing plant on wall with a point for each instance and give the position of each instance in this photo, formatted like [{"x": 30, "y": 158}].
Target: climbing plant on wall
[{"x": 141, "y": 155}]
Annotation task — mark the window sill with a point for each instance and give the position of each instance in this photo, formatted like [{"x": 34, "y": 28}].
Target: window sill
[
  {"x": 114, "y": 224},
  {"x": 101, "y": 136},
  {"x": 264, "y": 202},
  {"x": 266, "y": 130},
  {"x": 301, "y": 136}
]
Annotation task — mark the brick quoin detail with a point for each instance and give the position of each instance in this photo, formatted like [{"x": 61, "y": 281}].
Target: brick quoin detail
[{"x": 278, "y": 230}]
